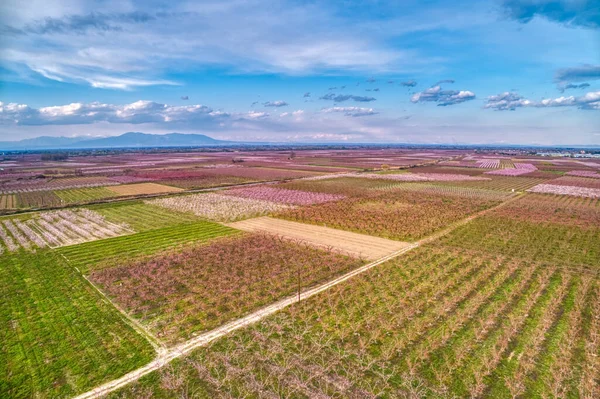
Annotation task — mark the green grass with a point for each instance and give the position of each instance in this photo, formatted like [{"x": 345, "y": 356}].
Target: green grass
[
  {"x": 105, "y": 253},
  {"x": 58, "y": 337},
  {"x": 141, "y": 216},
  {"x": 552, "y": 243},
  {"x": 77, "y": 195}
]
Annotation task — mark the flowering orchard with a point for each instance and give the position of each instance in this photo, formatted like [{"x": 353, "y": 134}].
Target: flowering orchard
[
  {"x": 224, "y": 208},
  {"x": 584, "y": 173},
  {"x": 566, "y": 190},
  {"x": 518, "y": 170},
  {"x": 401, "y": 215},
  {"x": 56, "y": 229},
  {"x": 283, "y": 196},
  {"x": 181, "y": 293}
]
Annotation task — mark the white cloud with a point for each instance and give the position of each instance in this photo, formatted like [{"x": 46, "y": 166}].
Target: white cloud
[
  {"x": 351, "y": 111},
  {"x": 79, "y": 113},
  {"x": 509, "y": 101},
  {"x": 442, "y": 97}
]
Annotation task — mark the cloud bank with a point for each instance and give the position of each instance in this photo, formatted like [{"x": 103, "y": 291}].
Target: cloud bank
[
  {"x": 345, "y": 97},
  {"x": 351, "y": 111},
  {"x": 509, "y": 101}
]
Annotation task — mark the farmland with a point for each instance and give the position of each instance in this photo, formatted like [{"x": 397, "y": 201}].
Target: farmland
[
  {"x": 461, "y": 322},
  {"x": 351, "y": 279},
  {"x": 183, "y": 292},
  {"x": 107, "y": 253},
  {"x": 56, "y": 229},
  {"x": 59, "y": 337},
  {"x": 398, "y": 215},
  {"x": 218, "y": 207}
]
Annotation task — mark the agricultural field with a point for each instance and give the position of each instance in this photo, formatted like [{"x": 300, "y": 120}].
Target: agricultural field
[
  {"x": 283, "y": 196},
  {"x": 218, "y": 207},
  {"x": 8, "y": 201},
  {"x": 56, "y": 229},
  {"x": 184, "y": 292},
  {"x": 80, "y": 195},
  {"x": 110, "y": 252},
  {"x": 142, "y": 216},
  {"x": 143, "y": 189},
  {"x": 502, "y": 183},
  {"x": 396, "y": 215},
  {"x": 59, "y": 337},
  {"x": 537, "y": 227},
  {"x": 434, "y": 323},
  {"x": 384, "y": 272},
  {"x": 344, "y": 242},
  {"x": 38, "y": 199}
]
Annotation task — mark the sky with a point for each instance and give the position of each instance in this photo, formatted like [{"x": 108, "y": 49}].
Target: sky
[{"x": 418, "y": 72}]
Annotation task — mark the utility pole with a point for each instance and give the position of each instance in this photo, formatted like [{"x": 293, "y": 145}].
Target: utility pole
[{"x": 299, "y": 285}]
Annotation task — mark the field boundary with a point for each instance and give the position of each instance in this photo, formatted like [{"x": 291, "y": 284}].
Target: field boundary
[{"x": 156, "y": 343}]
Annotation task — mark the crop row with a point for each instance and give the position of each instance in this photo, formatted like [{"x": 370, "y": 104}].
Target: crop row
[
  {"x": 225, "y": 208},
  {"x": 142, "y": 216},
  {"x": 447, "y": 190},
  {"x": 556, "y": 243},
  {"x": 8, "y": 201},
  {"x": 519, "y": 169},
  {"x": 435, "y": 323},
  {"x": 283, "y": 196},
  {"x": 80, "y": 195},
  {"x": 553, "y": 209},
  {"x": 55, "y": 229},
  {"x": 50, "y": 187},
  {"x": 113, "y": 251},
  {"x": 185, "y": 292},
  {"x": 501, "y": 183},
  {"x": 584, "y": 173},
  {"x": 399, "y": 215},
  {"x": 566, "y": 190},
  {"x": 575, "y": 181},
  {"x": 59, "y": 337}
]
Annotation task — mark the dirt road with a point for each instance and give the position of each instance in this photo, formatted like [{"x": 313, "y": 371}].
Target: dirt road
[{"x": 353, "y": 244}]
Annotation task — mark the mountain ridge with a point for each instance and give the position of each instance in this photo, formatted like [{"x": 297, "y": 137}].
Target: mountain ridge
[{"x": 125, "y": 140}]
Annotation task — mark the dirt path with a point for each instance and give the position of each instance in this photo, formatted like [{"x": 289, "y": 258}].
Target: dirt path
[
  {"x": 165, "y": 356},
  {"x": 354, "y": 244}
]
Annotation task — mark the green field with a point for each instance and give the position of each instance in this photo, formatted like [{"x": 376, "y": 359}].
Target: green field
[
  {"x": 79, "y": 195},
  {"x": 58, "y": 336},
  {"x": 141, "y": 216},
  {"x": 105, "y": 253},
  {"x": 558, "y": 244}
]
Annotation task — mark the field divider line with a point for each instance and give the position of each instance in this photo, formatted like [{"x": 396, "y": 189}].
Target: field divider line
[
  {"x": 156, "y": 343},
  {"x": 183, "y": 349},
  {"x": 468, "y": 219}
]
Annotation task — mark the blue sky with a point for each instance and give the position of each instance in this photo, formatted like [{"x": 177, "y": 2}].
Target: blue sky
[{"x": 501, "y": 71}]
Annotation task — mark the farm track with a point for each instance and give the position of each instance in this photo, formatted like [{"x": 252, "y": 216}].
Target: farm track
[
  {"x": 358, "y": 245},
  {"x": 165, "y": 356}
]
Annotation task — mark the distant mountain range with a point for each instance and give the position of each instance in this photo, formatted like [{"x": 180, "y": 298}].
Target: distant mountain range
[
  {"x": 146, "y": 140},
  {"x": 126, "y": 140}
]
